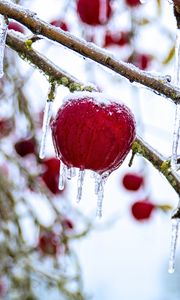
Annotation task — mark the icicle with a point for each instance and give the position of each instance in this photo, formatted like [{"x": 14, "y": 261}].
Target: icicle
[
  {"x": 80, "y": 184},
  {"x": 176, "y": 132},
  {"x": 62, "y": 176},
  {"x": 3, "y": 33},
  {"x": 71, "y": 172},
  {"x": 96, "y": 187},
  {"x": 100, "y": 195},
  {"x": 100, "y": 181},
  {"x": 46, "y": 121},
  {"x": 174, "y": 237}
]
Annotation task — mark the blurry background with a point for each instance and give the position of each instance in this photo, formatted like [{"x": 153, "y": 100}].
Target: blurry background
[{"x": 120, "y": 257}]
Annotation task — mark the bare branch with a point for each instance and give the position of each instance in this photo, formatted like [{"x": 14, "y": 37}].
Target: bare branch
[
  {"x": 44, "y": 64},
  {"x": 89, "y": 50},
  {"x": 158, "y": 161}
]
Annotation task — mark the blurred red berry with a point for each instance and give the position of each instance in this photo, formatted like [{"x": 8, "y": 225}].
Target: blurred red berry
[
  {"x": 3, "y": 288},
  {"x": 133, "y": 3},
  {"x": 25, "y": 147},
  {"x": 142, "y": 61},
  {"x": 49, "y": 243},
  {"x": 16, "y": 26},
  {"x": 6, "y": 126},
  {"x": 61, "y": 24},
  {"x": 50, "y": 176},
  {"x": 98, "y": 134},
  {"x": 118, "y": 38},
  {"x": 142, "y": 210},
  {"x": 132, "y": 181},
  {"x": 94, "y": 12},
  {"x": 67, "y": 224}
]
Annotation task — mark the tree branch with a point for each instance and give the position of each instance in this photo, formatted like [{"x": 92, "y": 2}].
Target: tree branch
[
  {"x": 158, "y": 161},
  {"x": 133, "y": 74},
  {"x": 139, "y": 146},
  {"x": 51, "y": 70}
]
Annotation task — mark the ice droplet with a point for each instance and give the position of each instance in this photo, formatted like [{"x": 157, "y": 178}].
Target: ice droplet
[
  {"x": 62, "y": 176},
  {"x": 174, "y": 237},
  {"x": 176, "y": 132},
  {"x": 46, "y": 121},
  {"x": 71, "y": 172},
  {"x": 3, "y": 33},
  {"x": 80, "y": 184}
]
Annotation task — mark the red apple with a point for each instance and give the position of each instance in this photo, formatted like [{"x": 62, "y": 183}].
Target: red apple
[
  {"x": 132, "y": 181},
  {"x": 142, "y": 210},
  {"x": 16, "y": 27},
  {"x": 50, "y": 175},
  {"x": 49, "y": 243},
  {"x": 61, "y": 24},
  {"x": 94, "y": 12},
  {"x": 3, "y": 288},
  {"x": 67, "y": 224},
  {"x": 133, "y": 3},
  {"x": 116, "y": 38},
  {"x": 142, "y": 60},
  {"x": 6, "y": 126},
  {"x": 25, "y": 147},
  {"x": 91, "y": 131}
]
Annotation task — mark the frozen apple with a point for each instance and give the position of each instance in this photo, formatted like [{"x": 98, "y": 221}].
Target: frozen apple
[
  {"x": 132, "y": 181},
  {"x": 91, "y": 131},
  {"x": 142, "y": 210},
  {"x": 50, "y": 174},
  {"x": 94, "y": 12},
  {"x": 15, "y": 26},
  {"x": 61, "y": 24},
  {"x": 6, "y": 126},
  {"x": 133, "y": 3},
  {"x": 49, "y": 243},
  {"x": 25, "y": 147},
  {"x": 116, "y": 39}
]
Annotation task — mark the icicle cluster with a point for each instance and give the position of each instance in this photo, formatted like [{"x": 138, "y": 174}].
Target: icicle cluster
[
  {"x": 176, "y": 133},
  {"x": 3, "y": 33},
  {"x": 100, "y": 181}
]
